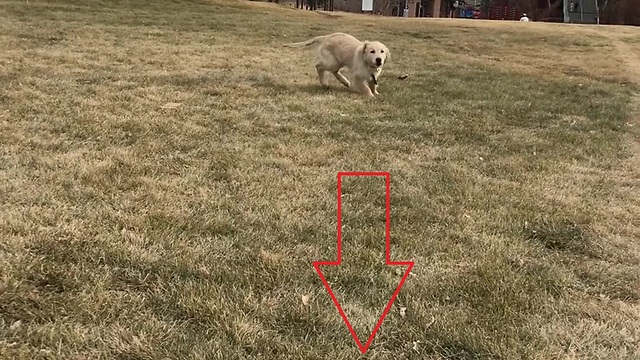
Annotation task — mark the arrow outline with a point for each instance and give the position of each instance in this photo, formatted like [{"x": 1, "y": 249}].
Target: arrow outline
[{"x": 409, "y": 264}]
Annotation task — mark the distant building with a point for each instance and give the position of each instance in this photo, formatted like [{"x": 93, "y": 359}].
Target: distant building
[
  {"x": 417, "y": 8},
  {"x": 569, "y": 11},
  {"x": 579, "y": 11}
]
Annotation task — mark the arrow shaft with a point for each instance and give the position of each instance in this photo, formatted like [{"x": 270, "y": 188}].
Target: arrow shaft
[
  {"x": 339, "y": 218},
  {"x": 387, "y": 212}
]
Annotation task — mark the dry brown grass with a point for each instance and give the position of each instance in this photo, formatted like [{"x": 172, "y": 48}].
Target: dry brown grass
[{"x": 129, "y": 231}]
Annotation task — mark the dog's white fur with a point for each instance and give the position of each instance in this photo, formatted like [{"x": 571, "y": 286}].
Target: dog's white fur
[{"x": 364, "y": 59}]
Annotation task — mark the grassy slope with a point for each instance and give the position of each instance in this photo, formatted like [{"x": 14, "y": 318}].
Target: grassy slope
[{"x": 130, "y": 231}]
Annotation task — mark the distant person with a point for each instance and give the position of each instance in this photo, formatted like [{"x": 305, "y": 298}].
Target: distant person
[
  {"x": 573, "y": 7},
  {"x": 456, "y": 4},
  {"x": 461, "y": 7},
  {"x": 524, "y": 17}
]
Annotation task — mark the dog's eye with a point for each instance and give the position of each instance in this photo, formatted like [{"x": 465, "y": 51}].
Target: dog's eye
[
  {"x": 381, "y": 51},
  {"x": 373, "y": 51}
]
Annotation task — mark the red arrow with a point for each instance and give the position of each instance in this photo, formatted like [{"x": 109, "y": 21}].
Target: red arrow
[{"x": 409, "y": 264}]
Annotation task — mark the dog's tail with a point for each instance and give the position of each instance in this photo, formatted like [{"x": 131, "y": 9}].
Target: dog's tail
[{"x": 304, "y": 43}]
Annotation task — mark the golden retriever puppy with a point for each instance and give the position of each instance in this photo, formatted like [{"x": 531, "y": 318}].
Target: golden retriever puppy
[{"x": 364, "y": 59}]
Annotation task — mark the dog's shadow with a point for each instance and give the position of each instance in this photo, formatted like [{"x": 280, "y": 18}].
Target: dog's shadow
[{"x": 317, "y": 89}]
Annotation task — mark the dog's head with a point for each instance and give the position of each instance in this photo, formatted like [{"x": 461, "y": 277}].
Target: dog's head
[{"x": 375, "y": 53}]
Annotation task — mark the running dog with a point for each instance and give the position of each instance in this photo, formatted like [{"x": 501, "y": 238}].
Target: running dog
[{"x": 364, "y": 59}]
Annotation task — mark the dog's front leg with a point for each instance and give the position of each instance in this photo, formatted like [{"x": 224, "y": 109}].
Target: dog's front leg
[
  {"x": 365, "y": 89},
  {"x": 373, "y": 87}
]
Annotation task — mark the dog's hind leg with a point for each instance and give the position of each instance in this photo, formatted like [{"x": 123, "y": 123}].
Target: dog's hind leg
[
  {"x": 321, "y": 74},
  {"x": 326, "y": 63},
  {"x": 341, "y": 78}
]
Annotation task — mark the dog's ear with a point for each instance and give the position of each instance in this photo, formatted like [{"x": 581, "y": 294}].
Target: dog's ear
[
  {"x": 386, "y": 52},
  {"x": 364, "y": 47}
]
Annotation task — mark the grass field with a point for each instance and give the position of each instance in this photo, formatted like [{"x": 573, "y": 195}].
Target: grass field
[{"x": 133, "y": 231}]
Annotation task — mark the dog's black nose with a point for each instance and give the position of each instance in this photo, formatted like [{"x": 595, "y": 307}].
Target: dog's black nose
[{"x": 378, "y": 61}]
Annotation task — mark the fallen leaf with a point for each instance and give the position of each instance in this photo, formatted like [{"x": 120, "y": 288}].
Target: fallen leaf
[
  {"x": 136, "y": 341},
  {"x": 16, "y": 325},
  {"x": 415, "y": 345},
  {"x": 171, "y": 105},
  {"x": 403, "y": 311},
  {"x": 433, "y": 320},
  {"x": 305, "y": 299}
]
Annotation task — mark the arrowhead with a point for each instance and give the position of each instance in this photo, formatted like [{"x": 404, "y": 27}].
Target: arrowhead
[{"x": 381, "y": 313}]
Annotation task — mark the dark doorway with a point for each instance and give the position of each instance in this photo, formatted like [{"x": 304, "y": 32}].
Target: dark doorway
[{"x": 426, "y": 8}]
